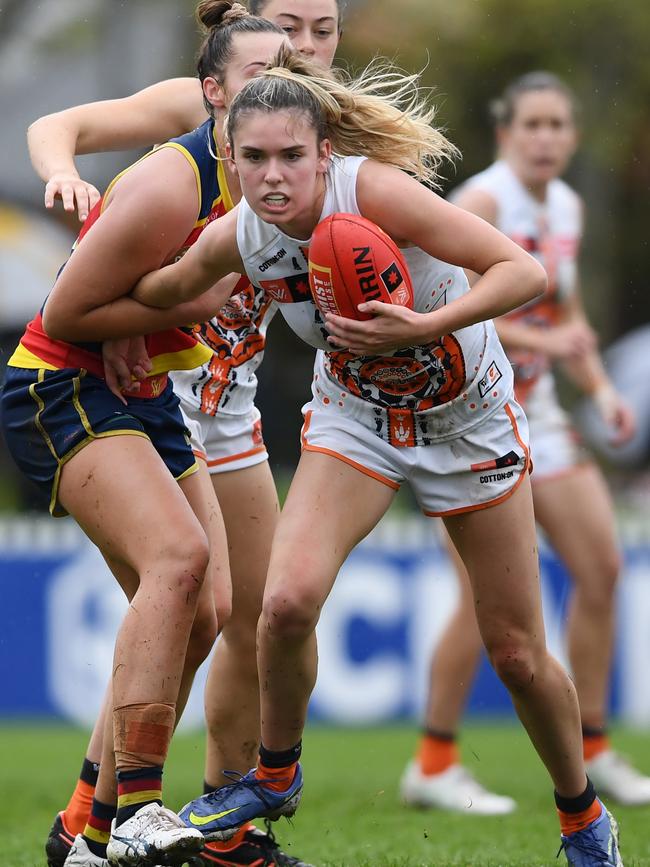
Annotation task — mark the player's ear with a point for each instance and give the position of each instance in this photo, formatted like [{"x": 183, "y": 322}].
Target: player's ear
[
  {"x": 230, "y": 160},
  {"x": 214, "y": 92},
  {"x": 324, "y": 155}
]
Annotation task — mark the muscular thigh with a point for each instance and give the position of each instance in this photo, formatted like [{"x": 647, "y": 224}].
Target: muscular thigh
[
  {"x": 576, "y": 513},
  {"x": 126, "y": 500},
  {"x": 499, "y": 548}
]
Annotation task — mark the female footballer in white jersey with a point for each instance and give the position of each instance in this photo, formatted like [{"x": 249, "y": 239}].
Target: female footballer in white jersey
[
  {"x": 283, "y": 129},
  {"x": 523, "y": 196},
  {"x": 217, "y": 399}
]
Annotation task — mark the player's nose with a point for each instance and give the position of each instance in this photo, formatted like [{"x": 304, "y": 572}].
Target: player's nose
[{"x": 305, "y": 44}]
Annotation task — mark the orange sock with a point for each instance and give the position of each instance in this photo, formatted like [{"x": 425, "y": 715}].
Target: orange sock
[
  {"x": 593, "y": 745},
  {"x": 277, "y": 779},
  {"x": 572, "y": 822},
  {"x": 218, "y": 846},
  {"x": 437, "y": 753},
  {"x": 76, "y": 813}
]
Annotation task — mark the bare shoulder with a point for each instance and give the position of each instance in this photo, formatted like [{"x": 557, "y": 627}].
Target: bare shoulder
[
  {"x": 378, "y": 182},
  {"x": 159, "y": 191}
]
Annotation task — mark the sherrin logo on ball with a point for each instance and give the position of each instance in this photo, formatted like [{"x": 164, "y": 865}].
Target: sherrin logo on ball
[{"x": 352, "y": 260}]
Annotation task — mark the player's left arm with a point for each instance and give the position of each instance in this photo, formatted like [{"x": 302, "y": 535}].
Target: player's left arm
[
  {"x": 588, "y": 372},
  {"x": 413, "y": 215}
]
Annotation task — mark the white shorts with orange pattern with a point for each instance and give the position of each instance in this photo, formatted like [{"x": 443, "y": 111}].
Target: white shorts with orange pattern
[
  {"x": 555, "y": 445},
  {"x": 479, "y": 469},
  {"x": 225, "y": 442}
]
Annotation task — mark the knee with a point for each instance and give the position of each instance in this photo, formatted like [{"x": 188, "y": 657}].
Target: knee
[
  {"x": 183, "y": 562},
  {"x": 597, "y": 589},
  {"x": 610, "y": 568},
  {"x": 515, "y": 660},
  {"x": 290, "y": 612}
]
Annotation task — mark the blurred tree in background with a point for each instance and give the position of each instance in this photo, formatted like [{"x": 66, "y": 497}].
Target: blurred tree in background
[{"x": 476, "y": 47}]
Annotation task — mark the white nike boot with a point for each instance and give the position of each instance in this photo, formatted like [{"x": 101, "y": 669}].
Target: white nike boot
[{"x": 152, "y": 835}]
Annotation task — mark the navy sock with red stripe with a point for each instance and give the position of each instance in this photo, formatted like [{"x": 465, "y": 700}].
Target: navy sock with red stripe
[
  {"x": 137, "y": 788},
  {"x": 98, "y": 828}
]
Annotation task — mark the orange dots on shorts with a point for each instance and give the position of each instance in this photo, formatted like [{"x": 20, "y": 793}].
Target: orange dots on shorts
[
  {"x": 472, "y": 406},
  {"x": 485, "y": 405},
  {"x": 326, "y": 400},
  {"x": 340, "y": 403},
  {"x": 495, "y": 394}
]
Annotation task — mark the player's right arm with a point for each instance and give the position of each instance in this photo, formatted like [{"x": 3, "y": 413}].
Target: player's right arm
[{"x": 155, "y": 114}]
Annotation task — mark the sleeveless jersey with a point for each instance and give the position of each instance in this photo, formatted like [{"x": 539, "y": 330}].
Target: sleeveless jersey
[
  {"x": 550, "y": 231},
  {"x": 414, "y": 396},
  {"x": 216, "y": 357},
  {"x": 225, "y": 382}
]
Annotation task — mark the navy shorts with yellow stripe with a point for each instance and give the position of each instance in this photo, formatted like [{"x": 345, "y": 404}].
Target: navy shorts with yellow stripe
[{"x": 50, "y": 415}]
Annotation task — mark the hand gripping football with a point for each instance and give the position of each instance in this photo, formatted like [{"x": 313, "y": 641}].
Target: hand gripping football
[{"x": 352, "y": 260}]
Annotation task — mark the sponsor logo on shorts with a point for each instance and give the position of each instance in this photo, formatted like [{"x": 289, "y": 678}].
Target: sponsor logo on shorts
[
  {"x": 273, "y": 259},
  {"x": 489, "y": 380},
  {"x": 496, "y": 477},
  {"x": 509, "y": 460}
]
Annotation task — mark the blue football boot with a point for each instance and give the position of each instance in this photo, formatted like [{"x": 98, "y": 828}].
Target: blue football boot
[
  {"x": 219, "y": 814},
  {"x": 596, "y": 845}
]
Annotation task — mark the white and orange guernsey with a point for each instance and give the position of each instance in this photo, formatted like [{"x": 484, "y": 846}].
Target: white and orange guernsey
[{"x": 394, "y": 417}]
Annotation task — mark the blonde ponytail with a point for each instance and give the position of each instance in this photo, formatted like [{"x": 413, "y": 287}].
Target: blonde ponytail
[{"x": 382, "y": 113}]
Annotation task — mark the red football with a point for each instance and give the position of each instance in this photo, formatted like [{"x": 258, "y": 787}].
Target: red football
[{"x": 352, "y": 260}]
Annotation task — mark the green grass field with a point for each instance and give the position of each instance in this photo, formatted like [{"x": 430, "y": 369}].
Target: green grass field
[{"x": 350, "y": 815}]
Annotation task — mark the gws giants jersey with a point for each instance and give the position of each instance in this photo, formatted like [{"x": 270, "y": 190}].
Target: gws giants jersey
[
  {"x": 551, "y": 232},
  {"x": 226, "y": 383},
  {"x": 414, "y": 396}
]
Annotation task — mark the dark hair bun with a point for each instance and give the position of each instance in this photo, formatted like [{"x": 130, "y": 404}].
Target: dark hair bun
[{"x": 219, "y": 13}]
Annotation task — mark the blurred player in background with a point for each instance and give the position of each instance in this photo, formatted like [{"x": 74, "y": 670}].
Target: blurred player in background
[
  {"x": 521, "y": 194},
  {"x": 218, "y": 398},
  {"x": 365, "y": 432}
]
